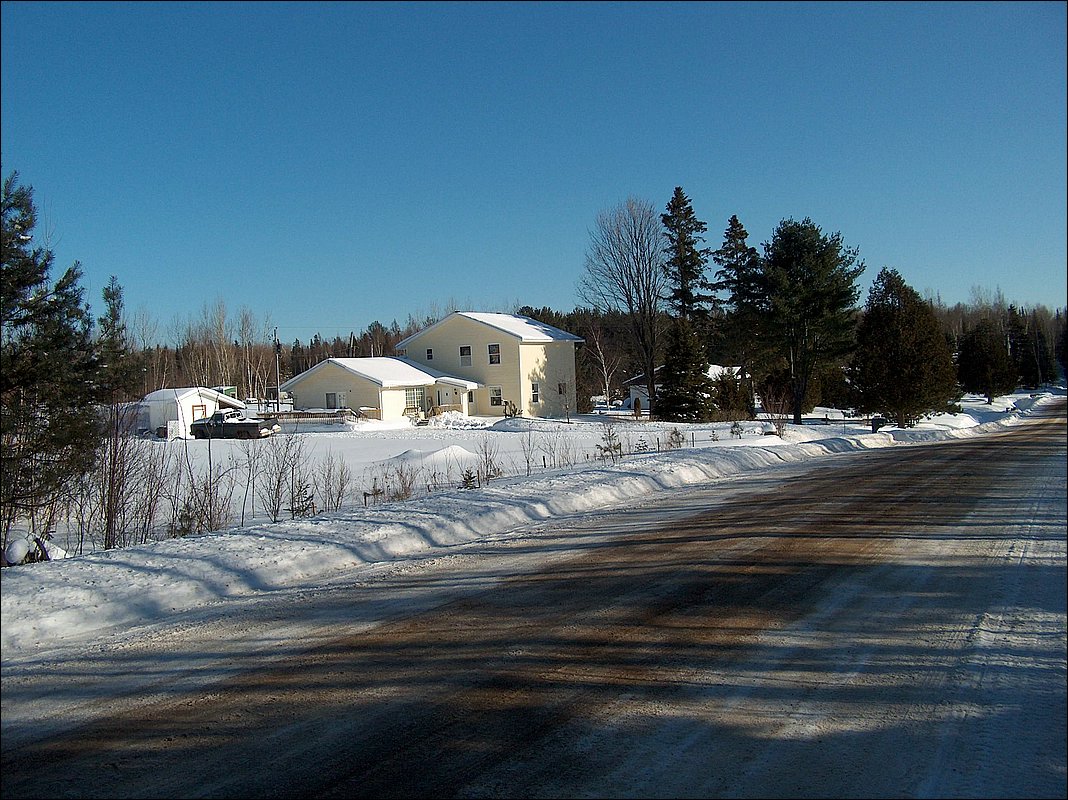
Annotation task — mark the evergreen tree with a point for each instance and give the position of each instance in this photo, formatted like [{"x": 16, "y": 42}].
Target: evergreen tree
[
  {"x": 1062, "y": 350},
  {"x": 1042, "y": 347},
  {"x": 685, "y": 387},
  {"x": 731, "y": 397},
  {"x": 117, "y": 378},
  {"x": 47, "y": 380},
  {"x": 686, "y": 392},
  {"x": 685, "y": 262},
  {"x": 984, "y": 365},
  {"x": 119, "y": 369},
  {"x": 804, "y": 298},
  {"x": 738, "y": 277},
  {"x": 902, "y": 366},
  {"x": 1029, "y": 349}
]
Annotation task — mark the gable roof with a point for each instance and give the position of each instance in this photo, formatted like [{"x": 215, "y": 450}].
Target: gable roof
[
  {"x": 389, "y": 372},
  {"x": 179, "y": 394},
  {"x": 523, "y": 328}
]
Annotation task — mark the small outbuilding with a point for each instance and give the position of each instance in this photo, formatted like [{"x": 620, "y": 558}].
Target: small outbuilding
[
  {"x": 639, "y": 390},
  {"x": 168, "y": 412}
]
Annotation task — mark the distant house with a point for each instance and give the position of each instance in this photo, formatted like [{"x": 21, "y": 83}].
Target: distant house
[
  {"x": 168, "y": 412},
  {"x": 640, "y": 391},
  {"x": 383, "y": 387},
  {"x": 516, "y": 362}
]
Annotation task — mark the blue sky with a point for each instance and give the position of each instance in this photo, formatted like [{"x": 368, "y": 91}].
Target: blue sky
[{"x": 328, "y": 165}]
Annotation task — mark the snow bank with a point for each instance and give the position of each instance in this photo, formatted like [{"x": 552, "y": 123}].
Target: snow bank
[
  {"x": 445, "y": 458},
  {"x": 78, "y": 598}
]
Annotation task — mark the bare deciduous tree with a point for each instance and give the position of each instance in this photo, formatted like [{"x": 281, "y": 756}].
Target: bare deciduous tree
[
  {"x": 604, "y": 357},
  {"x": 333, "y": 481},
  {"x": 488, "y": 458},
  {"x": 625, "y": 272},
  {"x": 280, "y": 456}
]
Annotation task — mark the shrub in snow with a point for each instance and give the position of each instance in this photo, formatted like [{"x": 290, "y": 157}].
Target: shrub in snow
[
  {"x": 455, "y": 419},
  {"x": 610, "y": 446}
]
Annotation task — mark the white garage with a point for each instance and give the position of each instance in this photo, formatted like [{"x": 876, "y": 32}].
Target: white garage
[{"x": 159, "y": 409}]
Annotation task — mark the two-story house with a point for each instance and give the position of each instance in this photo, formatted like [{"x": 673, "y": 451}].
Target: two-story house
[
  {"x": 476, "y": 363},
  {"x": 518, "y": 362}
]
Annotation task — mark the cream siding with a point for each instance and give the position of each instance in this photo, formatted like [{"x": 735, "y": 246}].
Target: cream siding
[
  {"x": 548, "y": 365},
  {"x": 309, "y": 390},
  {"x": 445, "y": 340},
  {"x": 522, "y": 364},
  {"x": 393, "y": 403}
]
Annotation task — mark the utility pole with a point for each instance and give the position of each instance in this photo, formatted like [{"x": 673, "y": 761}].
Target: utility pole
[{"x": 277, "y": 374}]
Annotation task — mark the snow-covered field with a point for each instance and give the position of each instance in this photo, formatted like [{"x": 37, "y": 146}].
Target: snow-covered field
[{"x": 75, "y": 600}]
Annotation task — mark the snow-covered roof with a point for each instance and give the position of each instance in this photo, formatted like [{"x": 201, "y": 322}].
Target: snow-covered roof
[
  {"x": 714, "y": 371},
  {"x": 523, "y": 328},
  {"x": 389, "y": 372},
  {"x": 179, "y": 394}
]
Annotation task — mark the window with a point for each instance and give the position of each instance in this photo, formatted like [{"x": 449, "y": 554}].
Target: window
[
  {"x": 561, "y": 388},
  {"x": 496, "y": 396},
  {"x": 465, "y": 355},
  {"x": 413, "y": 398},
  {"x": 199, "y": 412},
  {"x": 430, "y": 354},
  {"x": 495, "y": 354},
  {"x": 402, "y": 352},
  {"x": 535, "y": 393}
]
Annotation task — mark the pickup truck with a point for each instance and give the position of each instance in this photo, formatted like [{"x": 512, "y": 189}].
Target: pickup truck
[{"x": 231, "y": 425}]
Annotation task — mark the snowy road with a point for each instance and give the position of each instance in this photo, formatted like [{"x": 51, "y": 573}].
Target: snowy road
[{"x": 885, "y": 623}]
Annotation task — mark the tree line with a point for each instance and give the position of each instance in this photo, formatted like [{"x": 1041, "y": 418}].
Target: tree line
[{"x": 785, "y": 316}]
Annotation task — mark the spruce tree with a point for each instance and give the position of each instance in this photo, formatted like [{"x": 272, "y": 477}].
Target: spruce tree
[
  {"x": 1029, "y": 349},
  {"x": 685, "y": 389},
  {"x": 48, "y": 423},
  {"x": 732, "y": 397},
  {"x": 984, "y": 365},
  {"x": 1061, "y": 350},
  {"x": 738, "y": 278},
  {"x": 117, "y": 379},
  {"x": 120, "y": 369},
  {"x": 902, "y": 366},
  {"x": 685, "y": 262}
]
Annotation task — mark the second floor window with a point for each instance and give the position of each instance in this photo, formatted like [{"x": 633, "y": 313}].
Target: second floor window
[
  {"x": 465, "y": 355},
  {"x": 495, "y": 354},
  {"x": 430, "y": 354}
]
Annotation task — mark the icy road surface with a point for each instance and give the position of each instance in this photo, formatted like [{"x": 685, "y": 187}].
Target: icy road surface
[{"x": 884, "y": 623}]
